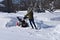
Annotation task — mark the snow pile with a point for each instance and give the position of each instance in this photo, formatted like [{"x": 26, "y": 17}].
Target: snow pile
[{"x": 3, "y": 21}]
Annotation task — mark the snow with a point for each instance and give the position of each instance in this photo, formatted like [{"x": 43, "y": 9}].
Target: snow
[{"x": 49, "y": 29}]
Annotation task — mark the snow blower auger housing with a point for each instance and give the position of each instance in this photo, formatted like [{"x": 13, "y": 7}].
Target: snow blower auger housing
[{"x": 22, "y": 23}]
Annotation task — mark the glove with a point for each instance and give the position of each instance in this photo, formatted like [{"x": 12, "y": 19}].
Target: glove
[{"x": 25, "y": 17}]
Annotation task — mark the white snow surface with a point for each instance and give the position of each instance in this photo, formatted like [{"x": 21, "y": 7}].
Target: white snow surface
[{"x": 49, "y": 24}]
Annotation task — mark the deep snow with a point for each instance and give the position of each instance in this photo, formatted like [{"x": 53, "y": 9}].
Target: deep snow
[{"x": 48, "y": 22}]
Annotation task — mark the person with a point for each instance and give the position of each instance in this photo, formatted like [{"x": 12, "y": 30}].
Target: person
[{"x": 29, "y": 15}]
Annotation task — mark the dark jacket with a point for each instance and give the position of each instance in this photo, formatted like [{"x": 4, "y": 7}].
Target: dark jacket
[{"x": 29, "y": 14}]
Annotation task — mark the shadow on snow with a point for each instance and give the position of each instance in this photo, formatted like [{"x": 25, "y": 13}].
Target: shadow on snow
[{"x": 42, "y": 25}]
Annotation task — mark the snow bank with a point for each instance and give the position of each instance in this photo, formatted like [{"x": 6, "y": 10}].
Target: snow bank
[{"x": 3, "y": 22}]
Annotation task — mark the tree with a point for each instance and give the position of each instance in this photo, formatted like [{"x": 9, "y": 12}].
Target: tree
[{"x": 9, "y": 6}]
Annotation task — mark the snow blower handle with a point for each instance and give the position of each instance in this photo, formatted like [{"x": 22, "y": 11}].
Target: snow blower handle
[{"x": 25, "y": 17}]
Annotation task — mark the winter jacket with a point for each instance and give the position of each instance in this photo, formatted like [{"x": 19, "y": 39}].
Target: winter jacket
[{"x": 29, "y": 14}]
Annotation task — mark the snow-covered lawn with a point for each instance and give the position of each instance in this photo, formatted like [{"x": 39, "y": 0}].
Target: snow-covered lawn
[{"x": 48, "y": 22}]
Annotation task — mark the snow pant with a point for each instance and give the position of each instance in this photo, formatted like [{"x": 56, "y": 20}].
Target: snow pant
[{"x": 32, "y": 23}]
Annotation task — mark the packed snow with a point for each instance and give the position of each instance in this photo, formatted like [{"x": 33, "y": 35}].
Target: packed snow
[{"x": 48, "y": 26}]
